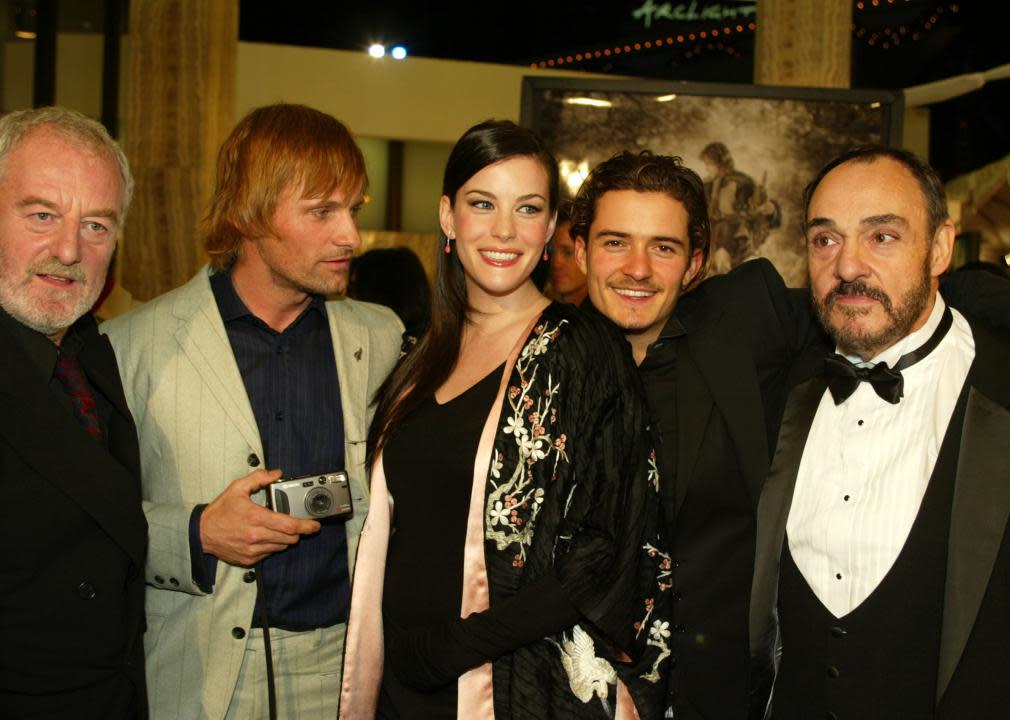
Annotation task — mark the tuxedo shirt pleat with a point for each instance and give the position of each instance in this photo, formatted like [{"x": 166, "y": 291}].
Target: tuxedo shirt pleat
[{"x": 866, "y": 467}]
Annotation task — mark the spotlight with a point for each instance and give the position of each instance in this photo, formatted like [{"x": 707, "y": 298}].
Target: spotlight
[
  {"x": 399, "y": 52},
  {"x": 376, "y": 50}
]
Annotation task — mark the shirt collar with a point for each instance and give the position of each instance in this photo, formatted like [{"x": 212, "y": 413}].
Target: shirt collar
[
  {"x": 673, "y": 328},
  {"x": 908, "y": 343},
  {"x": 41, "y": 351},
  {"x": 231, "y": 307}
]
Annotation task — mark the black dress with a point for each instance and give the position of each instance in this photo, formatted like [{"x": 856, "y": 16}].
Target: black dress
[{"x": 436, "y": 445}]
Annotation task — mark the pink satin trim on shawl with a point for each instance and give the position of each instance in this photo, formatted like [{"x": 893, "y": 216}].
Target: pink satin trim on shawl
[
  {"x": 474, "y": 690},
  {"x": 363, "y": 646},
  {"x": 626, "y": 709}
]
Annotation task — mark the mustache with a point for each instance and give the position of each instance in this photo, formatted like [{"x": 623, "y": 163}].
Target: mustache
[
  {"x": 52, "y": 266},
  {"x": 858, "y": 287}
]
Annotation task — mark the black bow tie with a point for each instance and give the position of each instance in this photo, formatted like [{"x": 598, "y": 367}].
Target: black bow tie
[{"x": 844, "y": 377}]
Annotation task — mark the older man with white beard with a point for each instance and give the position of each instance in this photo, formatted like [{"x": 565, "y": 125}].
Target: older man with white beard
[{"x": 71, "y": 525}]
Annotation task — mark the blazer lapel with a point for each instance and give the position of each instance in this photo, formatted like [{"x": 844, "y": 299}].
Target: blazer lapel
[
  {"x": 203, "y": 339},
  {"x": 773, "y": 509},
  {"x": 350, "y": 350},
  {"x": 694, "y": 412},
  {"x": 100, "y": 362},
  {"x": 702, "y": 372},
  {"x": 49, "y": 439},
  {"x": 978, "y": 521}
]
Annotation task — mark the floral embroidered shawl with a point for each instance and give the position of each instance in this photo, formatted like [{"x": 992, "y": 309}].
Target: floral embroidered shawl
[{"x": 568, "y": 482}]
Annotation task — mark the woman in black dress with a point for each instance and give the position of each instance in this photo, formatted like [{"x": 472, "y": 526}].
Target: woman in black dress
[{"x": 509, "y": 566}]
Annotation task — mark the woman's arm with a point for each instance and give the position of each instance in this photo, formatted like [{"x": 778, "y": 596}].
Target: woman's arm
[{"x": 428, "y": 657}]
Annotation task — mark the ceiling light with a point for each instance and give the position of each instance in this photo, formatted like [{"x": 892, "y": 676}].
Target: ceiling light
[
  {"x": 666, "y": 98},
  {"x": 573, "y": 174},
  {"x": 593, "y": 102},
  {"x": 399, "y": 52},
  {"x": 376, "y": 50}
]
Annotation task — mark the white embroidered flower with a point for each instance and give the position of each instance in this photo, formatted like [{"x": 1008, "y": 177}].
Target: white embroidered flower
[
  {"x": 525, "y": 445},
  {"x": 538, "y": 496},
  {"x": 539, "y": 449},
  {"x": 500, "y": 514},
  {"x": 513, "y": 426},
  {"x": 660, "y": 629},
  {"x": 539, "y": 346},
  {"x": 496, "y": 466}
]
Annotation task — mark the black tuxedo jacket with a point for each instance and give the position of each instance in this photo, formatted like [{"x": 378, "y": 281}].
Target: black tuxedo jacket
[
  {"x": 746, "y": 340},
  {"x": 73, "y": 538},
  {"x": 972, "y": 677},
  {"x": 741, "y": 334}
]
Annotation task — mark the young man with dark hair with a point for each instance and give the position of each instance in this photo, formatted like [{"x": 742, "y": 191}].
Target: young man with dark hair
[{"x": 715, "y": 363}]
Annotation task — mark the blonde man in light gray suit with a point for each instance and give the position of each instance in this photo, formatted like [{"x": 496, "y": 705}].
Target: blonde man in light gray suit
[{"x": 241, "y": 376}]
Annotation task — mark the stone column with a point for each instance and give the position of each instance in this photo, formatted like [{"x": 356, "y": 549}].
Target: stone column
[
  {"x": 180, "y": 105},
  {"x": 804, "y": 43}
]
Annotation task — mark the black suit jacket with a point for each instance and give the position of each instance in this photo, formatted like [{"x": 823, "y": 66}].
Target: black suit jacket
[
  {"x": 741, "y": 334},
  {"x": 73, "y": 539},
  {"x": 974, "y": 647}
]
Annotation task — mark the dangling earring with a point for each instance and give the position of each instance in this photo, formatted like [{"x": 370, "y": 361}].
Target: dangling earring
[
  {"x": 546, "y": 256},
  {"x": 448, "y": 247}
]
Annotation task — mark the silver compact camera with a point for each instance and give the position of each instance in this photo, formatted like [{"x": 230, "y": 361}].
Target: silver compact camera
[{"x": 313, "y": 497}]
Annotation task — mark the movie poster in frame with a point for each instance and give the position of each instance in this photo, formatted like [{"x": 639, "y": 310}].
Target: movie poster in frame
[{"x": 756, "y": 147}]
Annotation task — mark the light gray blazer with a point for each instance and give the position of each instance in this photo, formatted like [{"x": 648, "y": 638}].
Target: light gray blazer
[{"x": 197, "y": 434}]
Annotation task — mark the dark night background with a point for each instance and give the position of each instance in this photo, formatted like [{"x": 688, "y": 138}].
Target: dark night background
[{"x": 941, "y": 40}]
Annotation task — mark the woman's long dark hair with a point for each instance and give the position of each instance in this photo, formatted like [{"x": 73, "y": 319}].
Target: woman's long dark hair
[{"x": 423, "y": 370}]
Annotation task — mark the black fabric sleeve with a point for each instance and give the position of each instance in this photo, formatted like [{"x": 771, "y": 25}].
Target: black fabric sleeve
[
  {"x": 425, "y": 658},
  {"x": 980, "y": 295},
  {"x": 204, "y": 565}
]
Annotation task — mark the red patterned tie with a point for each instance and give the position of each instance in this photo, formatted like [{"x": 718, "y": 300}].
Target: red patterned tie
[{"x": 82, "y": 397}]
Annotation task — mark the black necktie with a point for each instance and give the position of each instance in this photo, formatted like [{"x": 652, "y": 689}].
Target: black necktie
[{"x": 844, "y": 377}]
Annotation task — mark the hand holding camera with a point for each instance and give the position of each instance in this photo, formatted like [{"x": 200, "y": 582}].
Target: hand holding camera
[{"x": 238, "y": 531}]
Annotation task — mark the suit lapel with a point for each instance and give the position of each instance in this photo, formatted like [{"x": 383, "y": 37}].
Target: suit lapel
[
  {"x": 773, "y": 509},
  {"x": 694, "y": 412},
  {"x": 202, "y": 337},
  {"x": 350, "y": 350},
  {"x": 978, "y": 521},
  {"x": 49, "y": 439},
  {"x": 702, "y": 386},
  {"x": 100, "y": 363}
]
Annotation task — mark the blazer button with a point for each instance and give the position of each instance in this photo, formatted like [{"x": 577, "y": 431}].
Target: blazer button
[
  {"x": 250, "y": 576},
  {"x": 237, "y": 633},
  {"x": 159, "y": 579},
  {"x": 173, "y": 582},
  {"x": 833, "y": 672},
  {"x": 86, "y": 590},
  {"x": 837, "y": 632},
  {"x": 253, "y": 460}
]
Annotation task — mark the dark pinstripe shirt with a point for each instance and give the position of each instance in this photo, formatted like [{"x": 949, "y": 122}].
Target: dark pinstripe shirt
[{"x": 291, "y": 380}]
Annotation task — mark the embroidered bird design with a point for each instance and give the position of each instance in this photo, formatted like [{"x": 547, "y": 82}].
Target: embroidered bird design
[{"x": 588, "y": 675}]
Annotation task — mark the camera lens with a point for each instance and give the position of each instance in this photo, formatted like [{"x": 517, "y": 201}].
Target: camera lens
[{"x": 318, "y": 502}]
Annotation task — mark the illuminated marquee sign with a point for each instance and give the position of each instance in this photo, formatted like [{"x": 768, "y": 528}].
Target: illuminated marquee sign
[{"x": 650, "y": 11}]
